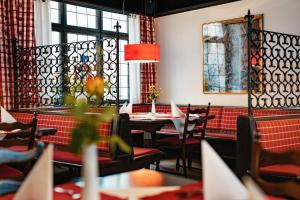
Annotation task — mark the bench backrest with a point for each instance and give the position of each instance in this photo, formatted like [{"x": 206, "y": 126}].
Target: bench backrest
[{"x": 63, "y": 124}]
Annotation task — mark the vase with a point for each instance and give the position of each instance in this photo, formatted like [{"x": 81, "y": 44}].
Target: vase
[
  {"x": 153, "y": 107},
  {"x": 90, "y": 173}
]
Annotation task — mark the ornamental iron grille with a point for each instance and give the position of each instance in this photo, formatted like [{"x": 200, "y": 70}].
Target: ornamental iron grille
[
  {"x": 274, "y": 69},
  {"x": 63, "y": 69}
]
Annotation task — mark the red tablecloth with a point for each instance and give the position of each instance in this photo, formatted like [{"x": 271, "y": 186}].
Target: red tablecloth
[{"x": 173, "y": 195}]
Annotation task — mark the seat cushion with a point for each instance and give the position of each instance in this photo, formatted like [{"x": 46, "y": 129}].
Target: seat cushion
[
  {"x": 139, "y": 151},
  {"x": 176, "y": 141},
  {"x": 18, "y": 148},
  {"x": 69, "y": 157},
  {"x": 220, "y": 135},
  {"x": 281, "y": 170},
  {"x": 7, "y": 172},
  {"x": 137, "y": 132}
]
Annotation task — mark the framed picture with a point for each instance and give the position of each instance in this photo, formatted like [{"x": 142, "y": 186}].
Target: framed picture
[{"x": 225, "y": 55}]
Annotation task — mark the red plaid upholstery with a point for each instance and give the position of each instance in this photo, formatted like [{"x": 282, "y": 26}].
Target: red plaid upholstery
[
  {"x": 69, "y": 157},
  {"x": 138, "y": 151},
  {"x": 216, "y": 122},
  {"x": 148, "y": 70},
  {"x": 140, "y": 108},
  {"x": 16, "y": 22},
  {"x": 282, "y": 170},
  {"x": 229, "y": 117},
  {"x": 7, "y": 172},
  {"x": 279, "y": 135},
  {"x": 221, "y": 135},
  {"x": 63, "y": 124}
]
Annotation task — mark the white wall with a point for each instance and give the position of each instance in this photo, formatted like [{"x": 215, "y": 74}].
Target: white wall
[{"x": 180, "y": 39}]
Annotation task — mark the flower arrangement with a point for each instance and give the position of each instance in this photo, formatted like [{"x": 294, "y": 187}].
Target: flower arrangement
[{"x": 154, "y": 92}]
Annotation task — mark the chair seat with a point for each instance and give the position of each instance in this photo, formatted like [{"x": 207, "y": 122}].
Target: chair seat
[
  {"x": 137, "y": 132},
  {"x": 7, "y": 172},
  {"x": 69, "y": 157},
  {"x": 176, "y": 141},
  {"x": 139, "y": 151},
  {"x": 18, "y": 148},
  {"x": 220, "y": 135},
  {"x": 281, "y": 170}
]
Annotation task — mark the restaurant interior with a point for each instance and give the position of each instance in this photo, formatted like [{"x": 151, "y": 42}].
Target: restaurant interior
[{"x": 149, "y": 99}]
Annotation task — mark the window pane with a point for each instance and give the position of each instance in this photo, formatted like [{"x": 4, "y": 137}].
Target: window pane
[
  {"x": 55, "y": 16},
  {"x": 71, "y": 19},
  {"x": 82, "y": 38},
  {"x": 72, "y": 37},
  {"x": 82, "y": 20},
  {"x": 54, "y": 4},
  {"x": 81, "y": 10},
  {"x": 81, "y": 16},
  {"x": 91, "y": 11},
  {"x": 55, "y": 37},
  {"x": 110, "y": 20},
  {"x": 91, "y": 21},
  {"x": 71, "y": 8}
]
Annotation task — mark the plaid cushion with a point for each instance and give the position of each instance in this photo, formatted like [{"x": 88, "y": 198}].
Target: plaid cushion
[
  {"x": 216, "y": 122},
  {"x": 229, "y": 117},
  {"x": 279, "y": 135},
  {"x": 64, "y": 125}
]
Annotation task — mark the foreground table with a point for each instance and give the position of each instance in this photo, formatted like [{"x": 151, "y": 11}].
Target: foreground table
[{"x": 140, "y": 178}]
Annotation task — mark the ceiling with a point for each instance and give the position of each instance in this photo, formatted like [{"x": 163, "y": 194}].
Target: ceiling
[{"x": 150, "y": 7}]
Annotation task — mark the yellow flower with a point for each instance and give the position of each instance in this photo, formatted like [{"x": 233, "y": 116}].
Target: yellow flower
[{"x": 95, "y": 86}]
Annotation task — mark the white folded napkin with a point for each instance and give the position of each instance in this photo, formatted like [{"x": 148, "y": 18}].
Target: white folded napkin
[
  {"x": 128, "y": 108},
  {"x": 6, "y": 117},
  {"x": 122, "y": 109},
  {"x": 219, "y": 181},
  {"x": 39, "y": 182},
  {"x": 176, "y": 112}
]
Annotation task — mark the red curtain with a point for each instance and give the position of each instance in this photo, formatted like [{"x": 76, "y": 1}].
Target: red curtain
[
  {"x": 16, "y": 22},
  {"x": 148, "y": 70}
]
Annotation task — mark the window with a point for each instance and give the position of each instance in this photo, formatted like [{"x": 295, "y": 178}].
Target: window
[{"x": 72, "y": 23}]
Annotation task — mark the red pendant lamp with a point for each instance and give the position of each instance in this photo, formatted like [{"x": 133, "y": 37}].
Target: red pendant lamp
[{"x": 142, "y": 53}]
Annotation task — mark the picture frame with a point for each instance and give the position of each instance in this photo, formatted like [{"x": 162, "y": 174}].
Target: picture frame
[{"x": 225, "y": 55}]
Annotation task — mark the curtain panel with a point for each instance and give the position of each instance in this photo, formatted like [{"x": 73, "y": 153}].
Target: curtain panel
[
  {"x": 16, "y": 22},
  {"x": 148, "y": 70}
]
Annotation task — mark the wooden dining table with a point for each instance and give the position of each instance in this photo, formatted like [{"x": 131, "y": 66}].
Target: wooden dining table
[
  {"x": 144, "y": 122},
  {"x": 149, "y": 125}
]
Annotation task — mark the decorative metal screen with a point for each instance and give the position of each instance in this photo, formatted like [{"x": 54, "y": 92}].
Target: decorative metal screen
[
  {"x": 274, "y": 69},
  {"x": 63, "y": 69}
]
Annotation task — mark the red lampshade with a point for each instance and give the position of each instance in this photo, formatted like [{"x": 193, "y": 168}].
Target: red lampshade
[{"x": 142, "y": 52}]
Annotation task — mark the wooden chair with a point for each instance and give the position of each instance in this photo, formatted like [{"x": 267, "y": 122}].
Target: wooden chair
[
  {"x": 17, "y": 134},
  {"x": 261, "y": 157},
  {"x": 185, "y": 144}
]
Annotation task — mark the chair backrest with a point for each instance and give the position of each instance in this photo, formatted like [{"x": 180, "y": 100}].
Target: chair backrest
[
  {"x": 18, "y": 133},
  {"x": 262, "y": 157},
  {"x": 200, "y": 122},
  {"x": 121, "y": 128}
]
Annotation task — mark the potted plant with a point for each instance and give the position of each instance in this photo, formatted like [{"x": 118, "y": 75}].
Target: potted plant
[{"x": 154, "y": 93}]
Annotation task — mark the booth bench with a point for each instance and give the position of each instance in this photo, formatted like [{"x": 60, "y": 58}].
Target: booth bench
[
  {"x": 276, "y": 134},
  {"x": 109, "y": 162}
]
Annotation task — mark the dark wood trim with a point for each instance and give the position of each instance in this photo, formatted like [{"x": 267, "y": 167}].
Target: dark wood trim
[{"x": 192, "y": 7}]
